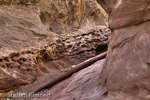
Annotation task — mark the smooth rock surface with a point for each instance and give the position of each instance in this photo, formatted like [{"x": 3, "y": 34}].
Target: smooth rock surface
[
  {"x": 80, "y": 86},
  {"x": 127, "y": 67}
]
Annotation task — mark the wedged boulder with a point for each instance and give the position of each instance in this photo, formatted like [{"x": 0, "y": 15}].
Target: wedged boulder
[{"x": 127, "y": 67}]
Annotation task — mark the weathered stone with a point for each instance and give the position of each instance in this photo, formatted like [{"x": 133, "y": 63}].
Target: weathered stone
[
  {"x": 68, "y": 15},
  {"x": 34, "y": 35},
  {"x": 127, "y": 67}
]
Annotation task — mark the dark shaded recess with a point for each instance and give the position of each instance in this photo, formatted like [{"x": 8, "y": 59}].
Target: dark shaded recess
[
  {"x": 2, "y": 2},
  {"x": 101, "y": 48},
  {"x": 71, "y": 13},
  {"x": 22, "y": 2},
  {"x": 105, "y": 81},
  {"x": 42, "y": 17},
  {"x": 23, "y": 59},
  {"x": 47, "y": 57},
  {"x": 104, "y": 95},
  {"x": 42, "y": 52},
  {"x": 8, "y": 65},
  {"x": 14, "y": 55},
  {"x": 93, "y": 14},
  {"x": 101, "y": 31},
  {"x": 25, "y": 2},
  {"x": 6, "y": 59},
  {"x": 1, "y": 60},
  {"x": 38, "y": 59}
]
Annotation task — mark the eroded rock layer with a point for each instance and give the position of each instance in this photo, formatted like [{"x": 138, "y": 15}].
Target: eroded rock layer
[
  {"x": 66, "y": 52},
  {"x": 31, "y": 45},
  {"x": 127, "y": 67}
]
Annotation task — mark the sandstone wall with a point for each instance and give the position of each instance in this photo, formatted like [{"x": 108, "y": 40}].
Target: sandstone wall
[
  {"x": 127, "y": 67},
  {"x": 68, "y": 15},
  {"x": 30, "y": 40}
]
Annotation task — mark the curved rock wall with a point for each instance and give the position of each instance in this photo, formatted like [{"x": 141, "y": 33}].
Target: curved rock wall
[
  {"x": 127, "y": 67},
  {"x": 29, "y": 24},
  {"x": 66, "y": 16}
]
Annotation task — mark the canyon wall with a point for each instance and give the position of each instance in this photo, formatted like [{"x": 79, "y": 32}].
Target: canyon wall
[
  {"x": 66, "y": 16},
  {"x": 127, "y": 67},
  {"x": 41, "y": 36},
  {"x": 126, "y": 70}
]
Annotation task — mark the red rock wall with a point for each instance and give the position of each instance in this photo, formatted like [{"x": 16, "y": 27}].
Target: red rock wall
[{"x": 127, "y": 67}]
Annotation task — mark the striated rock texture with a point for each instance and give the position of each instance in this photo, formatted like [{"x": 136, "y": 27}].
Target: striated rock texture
[
  {"x": 127, "y": 67},
  {"x": 42, "y": 36},
  {"x": 21, "y": 30},
  {"x": 80, "y": 86},
  {"x": 65, "y": 16}
]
